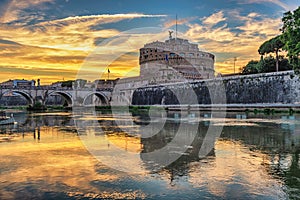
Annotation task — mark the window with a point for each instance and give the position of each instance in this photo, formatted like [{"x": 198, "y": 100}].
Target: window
[{"x": 172, "y": 55}]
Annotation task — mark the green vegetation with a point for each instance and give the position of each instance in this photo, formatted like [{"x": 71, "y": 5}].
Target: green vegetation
[
  {"x": 291, "y": 36},
  {"x": 56, "y": 107},
  {"x": 272, "y": 46},
  {"x": 13, "y": 107},
  {"x": 38, "y": 106},
  {"x": 267, "y": 64},
  {"x": 288, "y": 40},
  {"x": 272, "y": 111},
  {"x": 132, "y": 109}
]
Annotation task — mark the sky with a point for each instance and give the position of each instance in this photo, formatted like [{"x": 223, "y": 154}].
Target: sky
[{"x": 52, "y": 40}]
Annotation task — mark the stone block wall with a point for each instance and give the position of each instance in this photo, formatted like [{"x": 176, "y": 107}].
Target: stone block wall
[{"x": 279, "y": 87}]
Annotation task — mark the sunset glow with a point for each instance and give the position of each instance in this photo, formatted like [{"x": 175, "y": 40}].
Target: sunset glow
[{"x": 50, "y": 39}]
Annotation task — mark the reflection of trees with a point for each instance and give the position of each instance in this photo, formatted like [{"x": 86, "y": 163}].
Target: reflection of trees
[
  {"x": 275, "y": 140},
  {"x": 293, "y": 175},
  {"x": 28, "y": 122},
  {"x": 266, "y": 138},
  {"x": 287, "y": 167},
  {"x": 282, "y": 146},
  {"x": 270, "y": 138},
  {"x": 47, "y": 120}
]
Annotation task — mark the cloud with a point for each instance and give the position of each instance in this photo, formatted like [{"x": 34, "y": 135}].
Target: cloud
[
  {"x": 267, "y": 27},
  {"x": 173, "y": 22},
  {"x": 18, "y": 60},
  {"x": 64, "y": 43},
  {"x": 15, "y": 8},
  {"x": 201, "y": 32},
  {"x": 47, "y": 75},
  {"x": 74, "y": 33},
  {"x": 286, "y": 7},
  {"x": 214, "y": 19},
  {"x": 230, "y": 41},
  {"x": 111, "y": 17}
]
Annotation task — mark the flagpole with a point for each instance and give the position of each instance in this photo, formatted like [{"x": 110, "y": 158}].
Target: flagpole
[
  {"x": 176, "y": 28},
  {"x": 234, "y": 60}
]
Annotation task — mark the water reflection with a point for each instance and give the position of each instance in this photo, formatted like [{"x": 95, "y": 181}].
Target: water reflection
[{"x": 255, "y": 157}]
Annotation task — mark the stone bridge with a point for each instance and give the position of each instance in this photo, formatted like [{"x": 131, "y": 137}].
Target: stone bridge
[{"x": 73, "y": 97}]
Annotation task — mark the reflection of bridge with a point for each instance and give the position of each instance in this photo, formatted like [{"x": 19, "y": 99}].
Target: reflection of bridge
[{"x": 73, "y": 97}]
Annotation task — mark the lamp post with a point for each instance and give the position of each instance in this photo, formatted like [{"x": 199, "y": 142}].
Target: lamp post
[{"x": 234, "y": 60}]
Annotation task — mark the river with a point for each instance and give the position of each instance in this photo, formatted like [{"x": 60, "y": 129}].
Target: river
[{"x": 67, "y": 155}]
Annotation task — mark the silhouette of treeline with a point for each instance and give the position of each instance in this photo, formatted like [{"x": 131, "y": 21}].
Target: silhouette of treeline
[{"x": 288, "y": 41}]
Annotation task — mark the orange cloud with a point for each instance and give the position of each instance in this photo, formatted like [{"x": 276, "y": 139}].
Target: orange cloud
[
  {"x": 226, "y": 43},
  {"x": 70, "y": 44},
  {"x": 214, "y": 19},
  {"x": 62, "y": 44},
  {"x": 171, "y": 23}
]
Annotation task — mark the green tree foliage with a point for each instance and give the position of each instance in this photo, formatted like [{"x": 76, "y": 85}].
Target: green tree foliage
[
  {"x": 251, "y": 67},
  {"x": 288, "y": 41},
  {"x": 267, "y": 64},
  {"x": 291, "y": 36},
  {"x": 272, "y": 46}
]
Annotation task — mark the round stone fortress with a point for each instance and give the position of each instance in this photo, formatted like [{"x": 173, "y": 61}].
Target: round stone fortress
[{"x": 174, "y": 60}]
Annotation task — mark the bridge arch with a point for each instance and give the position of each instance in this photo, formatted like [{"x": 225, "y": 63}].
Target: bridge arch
[
  {"x": 101, "y": 96},
  {"x": 65, "y": 95},
  {"x": 26, "y": 95}
]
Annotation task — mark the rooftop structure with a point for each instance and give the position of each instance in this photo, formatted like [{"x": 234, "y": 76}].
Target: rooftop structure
[{"x": 18, "y": 83}]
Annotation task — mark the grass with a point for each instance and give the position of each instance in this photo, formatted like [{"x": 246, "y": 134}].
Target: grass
[
  {"x": 272, "y": 111},
  {"x": 132, "y": 109},
  {"x": 13, "y": 107}
]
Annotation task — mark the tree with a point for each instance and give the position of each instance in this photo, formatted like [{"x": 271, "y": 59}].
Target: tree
[
  {"x": 251, "y": 67},
  {"x": 291, "y": 36},
  {"x": 272, "y": 46},
  {"x": 267, "y": 64}
]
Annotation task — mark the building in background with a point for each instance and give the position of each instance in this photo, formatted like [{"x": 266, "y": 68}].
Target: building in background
[{"x": 18, "y": 83}]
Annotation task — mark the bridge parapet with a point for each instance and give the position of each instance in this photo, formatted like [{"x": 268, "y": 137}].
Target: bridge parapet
[{"x": 72, "y": 96}]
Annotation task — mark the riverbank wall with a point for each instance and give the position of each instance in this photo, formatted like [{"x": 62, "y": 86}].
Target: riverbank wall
[{"x": 278, "y": 89}]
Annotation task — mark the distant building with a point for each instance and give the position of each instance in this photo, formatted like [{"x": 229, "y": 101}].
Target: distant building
[
  {"x": 18, "y": 83},
  {"x": 104, "y": 84},
  {"x": 57, "y": 84},
  {"x": 232, "y": 74}
]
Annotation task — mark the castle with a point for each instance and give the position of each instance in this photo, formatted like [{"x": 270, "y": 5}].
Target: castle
[{"x": 172, "y": 61}]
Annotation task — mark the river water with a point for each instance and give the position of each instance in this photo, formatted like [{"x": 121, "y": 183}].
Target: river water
[{"x": 67, "y": 155}]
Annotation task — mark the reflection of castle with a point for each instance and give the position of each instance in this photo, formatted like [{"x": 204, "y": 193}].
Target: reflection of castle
[
  {"x": 175, "y": 60},
  {"x": 188, "y": 138}
]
